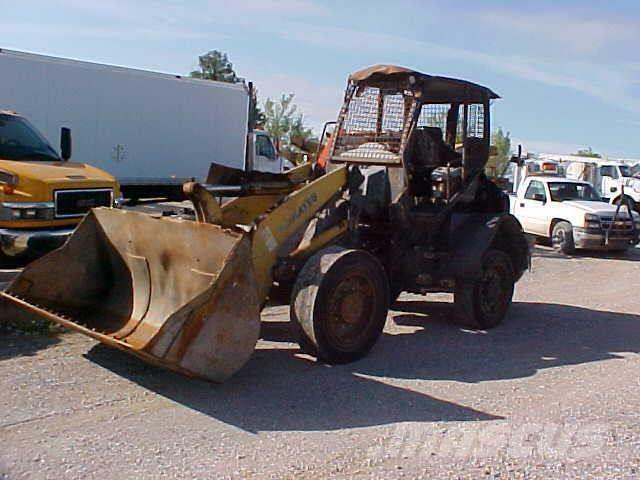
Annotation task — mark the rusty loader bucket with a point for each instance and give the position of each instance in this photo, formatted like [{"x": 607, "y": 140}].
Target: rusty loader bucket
[{"x": 177, "y": 293}]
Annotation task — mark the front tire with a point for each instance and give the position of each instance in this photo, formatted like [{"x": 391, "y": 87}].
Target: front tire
[
  {"x": 562, "y": 238},
  {"x": 339, "y": 304},
  {"x": 482, "y": 303}
]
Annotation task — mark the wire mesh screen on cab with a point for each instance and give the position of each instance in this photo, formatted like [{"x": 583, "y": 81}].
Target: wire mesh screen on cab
[{"x": 373, "y": 126}]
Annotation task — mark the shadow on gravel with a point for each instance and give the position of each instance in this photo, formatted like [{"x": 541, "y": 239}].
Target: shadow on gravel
[
  {"x": 630, "y": 255},
  {"x": 534, "y": 336},
  {"x": 22, "y": 334},
  {"x": 20, "y": 344},
  {"x": 279, "y": 390}
]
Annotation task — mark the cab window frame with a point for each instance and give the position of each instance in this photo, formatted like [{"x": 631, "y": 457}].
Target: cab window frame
[{"x": 528, "y": 194}]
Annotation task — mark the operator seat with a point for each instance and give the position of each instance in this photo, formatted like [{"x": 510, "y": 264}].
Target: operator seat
[
  {"x": 426, "y": 151},
  {"x": 477, "y": 154}
]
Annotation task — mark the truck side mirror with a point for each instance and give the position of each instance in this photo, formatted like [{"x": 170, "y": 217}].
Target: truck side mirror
[
  {"x": 65, "y": 143},
  {"x": 517, "y": 159}
]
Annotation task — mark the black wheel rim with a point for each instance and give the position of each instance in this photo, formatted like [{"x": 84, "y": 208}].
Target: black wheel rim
[{"x": 350, "y": 310}]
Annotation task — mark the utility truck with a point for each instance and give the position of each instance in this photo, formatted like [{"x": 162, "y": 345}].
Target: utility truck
[
  {"x": 152, "y": 131},
  {"x": 568, "y": 212}
]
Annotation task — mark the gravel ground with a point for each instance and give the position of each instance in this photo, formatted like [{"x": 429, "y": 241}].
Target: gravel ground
[{"x": 552, "y": 393}]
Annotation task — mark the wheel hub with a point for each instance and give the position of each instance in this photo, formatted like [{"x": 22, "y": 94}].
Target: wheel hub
[{"x": 350, "y": 309}]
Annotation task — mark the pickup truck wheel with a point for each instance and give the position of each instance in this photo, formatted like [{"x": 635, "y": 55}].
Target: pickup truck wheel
[
  {"x": 339, "y": 304},
  {"x": 483, "y": 302},
  {"x": 562, "y": 238}
]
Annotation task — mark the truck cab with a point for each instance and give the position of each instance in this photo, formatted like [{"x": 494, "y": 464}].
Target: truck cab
[
  {"x": 616, "y": 181},
  {"x": 43, "y": 195},
  {"x": 616, "y": 177},
  {"x": 572, "y": 215},
  {"x": 266, "y": 157}
]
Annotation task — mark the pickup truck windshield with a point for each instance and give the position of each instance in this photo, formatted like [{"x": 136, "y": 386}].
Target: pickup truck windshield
[
  {"x": 625, "y": 171},
  {"x": 561, "y": 191},
  {"x": 21, "y": 141}
]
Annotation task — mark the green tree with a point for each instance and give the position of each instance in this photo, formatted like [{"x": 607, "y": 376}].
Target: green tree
[
  {"x": 280, "y": 116},
  {"x": 588, "y": 152},
  {"x": 286, "y": 125},
  {"x": 215, "y": 65},
  {"x": 502, "y": 144},
  {"x": 284, "y": 122},
  {"x": 301, "y": 135}
]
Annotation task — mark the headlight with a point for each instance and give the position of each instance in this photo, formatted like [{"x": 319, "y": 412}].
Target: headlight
[
  {"x": 8, "y": 182},
  {"x": 591, "y": 220},
  {"x": 26, "y": 211}
]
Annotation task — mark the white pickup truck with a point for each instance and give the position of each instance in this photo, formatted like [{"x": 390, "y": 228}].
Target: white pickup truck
[
  {"x": 572, "y": 215},
  {"x": 615, "y": 180}
]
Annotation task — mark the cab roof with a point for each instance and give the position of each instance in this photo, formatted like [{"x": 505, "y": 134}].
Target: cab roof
[{"x": 443, "y": 87}]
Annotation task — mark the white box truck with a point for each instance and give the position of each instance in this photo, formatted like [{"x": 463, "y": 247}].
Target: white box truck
[{"x": 152, "y": 131}]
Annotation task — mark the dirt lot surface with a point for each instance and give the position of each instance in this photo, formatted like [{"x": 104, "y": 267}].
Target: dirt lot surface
[{"x": 554, "y": 392}]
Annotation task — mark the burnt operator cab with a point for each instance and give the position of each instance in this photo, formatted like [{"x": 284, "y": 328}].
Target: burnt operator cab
[{"x": 421, "y": 143}]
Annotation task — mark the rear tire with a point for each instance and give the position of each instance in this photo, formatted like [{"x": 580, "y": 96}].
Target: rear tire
[
  {"x": 562, "y": 238},
  {"x": 339, "y": 304},
  {"x": 483, "y": 303}
]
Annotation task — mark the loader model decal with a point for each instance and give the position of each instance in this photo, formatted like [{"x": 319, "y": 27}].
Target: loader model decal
[{"x": 299, "y": 212}]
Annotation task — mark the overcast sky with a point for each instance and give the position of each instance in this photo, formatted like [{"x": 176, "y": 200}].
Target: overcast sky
[{"x": 568, "y": 71}]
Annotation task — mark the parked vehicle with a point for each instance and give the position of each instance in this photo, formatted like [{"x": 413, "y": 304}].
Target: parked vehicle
[
  {"x": 400, "y": 207},
  {"x": 43, "y": 195},
  {"x": 614, "y": 180},
  {"x": 520, "y": 168},
  {"x": 152, "y": 131},
  {"x": 572, "y": 215}
]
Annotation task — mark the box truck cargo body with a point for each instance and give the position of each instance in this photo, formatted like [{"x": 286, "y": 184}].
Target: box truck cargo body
[{"x": 147, "y": 129}]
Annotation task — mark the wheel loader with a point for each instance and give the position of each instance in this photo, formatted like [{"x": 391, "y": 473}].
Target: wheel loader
[{"x": 402, "y": 205}]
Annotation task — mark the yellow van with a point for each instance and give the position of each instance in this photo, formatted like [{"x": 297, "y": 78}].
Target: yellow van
[{"x": 43, "y": 195}]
